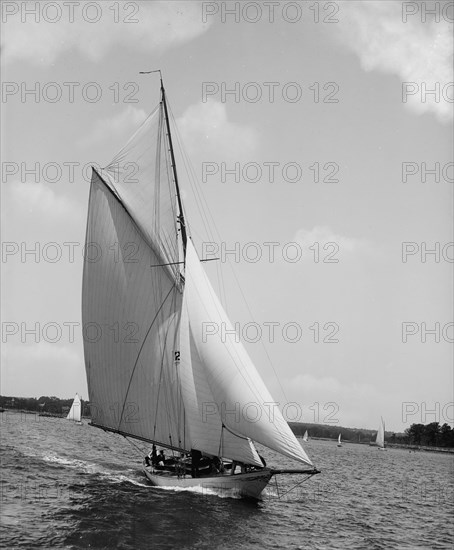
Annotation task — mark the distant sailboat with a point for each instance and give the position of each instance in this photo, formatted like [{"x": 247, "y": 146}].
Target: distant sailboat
[
  {"x": 339, "y": 443},
  {"x": 380, "y": 441},
  {"x": 75, "y": 412},
  {"x": 166, "y": 383},
  {"x": 306, "y": 436}
]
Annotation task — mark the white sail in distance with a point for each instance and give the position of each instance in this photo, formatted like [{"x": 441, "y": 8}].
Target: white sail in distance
[
  {"x": 380, "y": 441},
  {"x": 75, "y": 412}
]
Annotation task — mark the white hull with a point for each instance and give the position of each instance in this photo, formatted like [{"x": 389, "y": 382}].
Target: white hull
[{"x": 246, "y": 485}]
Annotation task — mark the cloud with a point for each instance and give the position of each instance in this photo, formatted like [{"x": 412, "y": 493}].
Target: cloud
[
  {"x": 121, "y": 126},
  {"x": 93, "y": 28},
  {"x": 24, "y": 200},
  {"x": 414, "y": 51},
  {"x": 324, "y": 235},
  {"x": 206, "y": 130}
]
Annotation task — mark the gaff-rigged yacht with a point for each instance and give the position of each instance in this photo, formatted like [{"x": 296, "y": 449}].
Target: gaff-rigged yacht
[{"x": 160, "y": 378}]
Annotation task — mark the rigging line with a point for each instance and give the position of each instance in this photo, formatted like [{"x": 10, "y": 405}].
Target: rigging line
[
  {"x": 201, "y": 203},
  {"x": 234, "y": 353},
  {"x": 140, "y": 438},
  {"x": 180, "y": 404},
  {"x": 263, "y": 345},
  {"x": 207, "y": 214},
  {"x": 141, "y": 451},
  {"x": 171, "y": 189},
  {"x": 139, "y": 129},
  {"x": 140, "y": 351},
  {"x": 191, "y": 176},
  {"x": 177, "y": 263},
  {"x": 161, "y": 372},
  {"x": 174, "y": 170},
  {"x": 296, "y": 485},
  {"x": 199, "y": 194},
  {"x": 221, "y": 440},
  {"x": 114, "y": 193},
  {"x": 235, "y": 434}
]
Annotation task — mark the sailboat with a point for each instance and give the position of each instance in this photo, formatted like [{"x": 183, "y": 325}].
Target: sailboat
[
  {"x": 380, "y": 441},
  {"x": 339, "y": 443},
  {"x": 75, "y": 411},
  {"x": 168, "y": 379},
  {"x": 306, "y": 436}
]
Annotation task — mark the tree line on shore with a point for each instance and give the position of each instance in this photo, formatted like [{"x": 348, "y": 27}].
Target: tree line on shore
[
  {"x": 44, "y": 404},
  {"x": 431, "y": 435}
]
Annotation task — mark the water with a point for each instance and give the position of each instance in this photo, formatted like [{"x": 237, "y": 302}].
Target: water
[{"x": 66, "y": 486}]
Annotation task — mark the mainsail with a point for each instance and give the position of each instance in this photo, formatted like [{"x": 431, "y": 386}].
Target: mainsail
[
  {"x": 131, "y": 297},
  {"x": 75, "y": 411},
  {"x": 152, "y": 372}
]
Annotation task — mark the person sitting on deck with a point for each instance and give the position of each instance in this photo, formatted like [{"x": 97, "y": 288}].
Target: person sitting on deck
[
  {"x": 153, "y": 456},
  {"x": 180, "y": 466},
  {"x": 195, "y": 461},
  {"x": 244, "y": 468},
  {"x": 217, "y": 465},
  {"x": 161, "y": 459}
]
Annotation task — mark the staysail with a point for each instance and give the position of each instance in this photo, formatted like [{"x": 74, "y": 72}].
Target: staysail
[
  {"x": 204, "y": 421},
  {"x": 239, "y": 395},
  {"x": 75, "y": 412}
]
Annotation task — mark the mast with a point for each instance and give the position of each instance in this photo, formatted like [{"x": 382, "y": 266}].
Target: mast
[{"x": 181, "y": 219}]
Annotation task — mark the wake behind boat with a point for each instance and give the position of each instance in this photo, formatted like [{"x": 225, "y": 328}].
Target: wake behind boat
[{"x": 167, "y": 382}]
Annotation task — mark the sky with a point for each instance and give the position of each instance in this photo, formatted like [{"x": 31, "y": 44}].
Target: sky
[{"x": 321, "y": 137}]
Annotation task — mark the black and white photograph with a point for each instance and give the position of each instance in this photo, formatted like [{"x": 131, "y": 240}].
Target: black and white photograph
[{"x": 227, "y": 275}]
